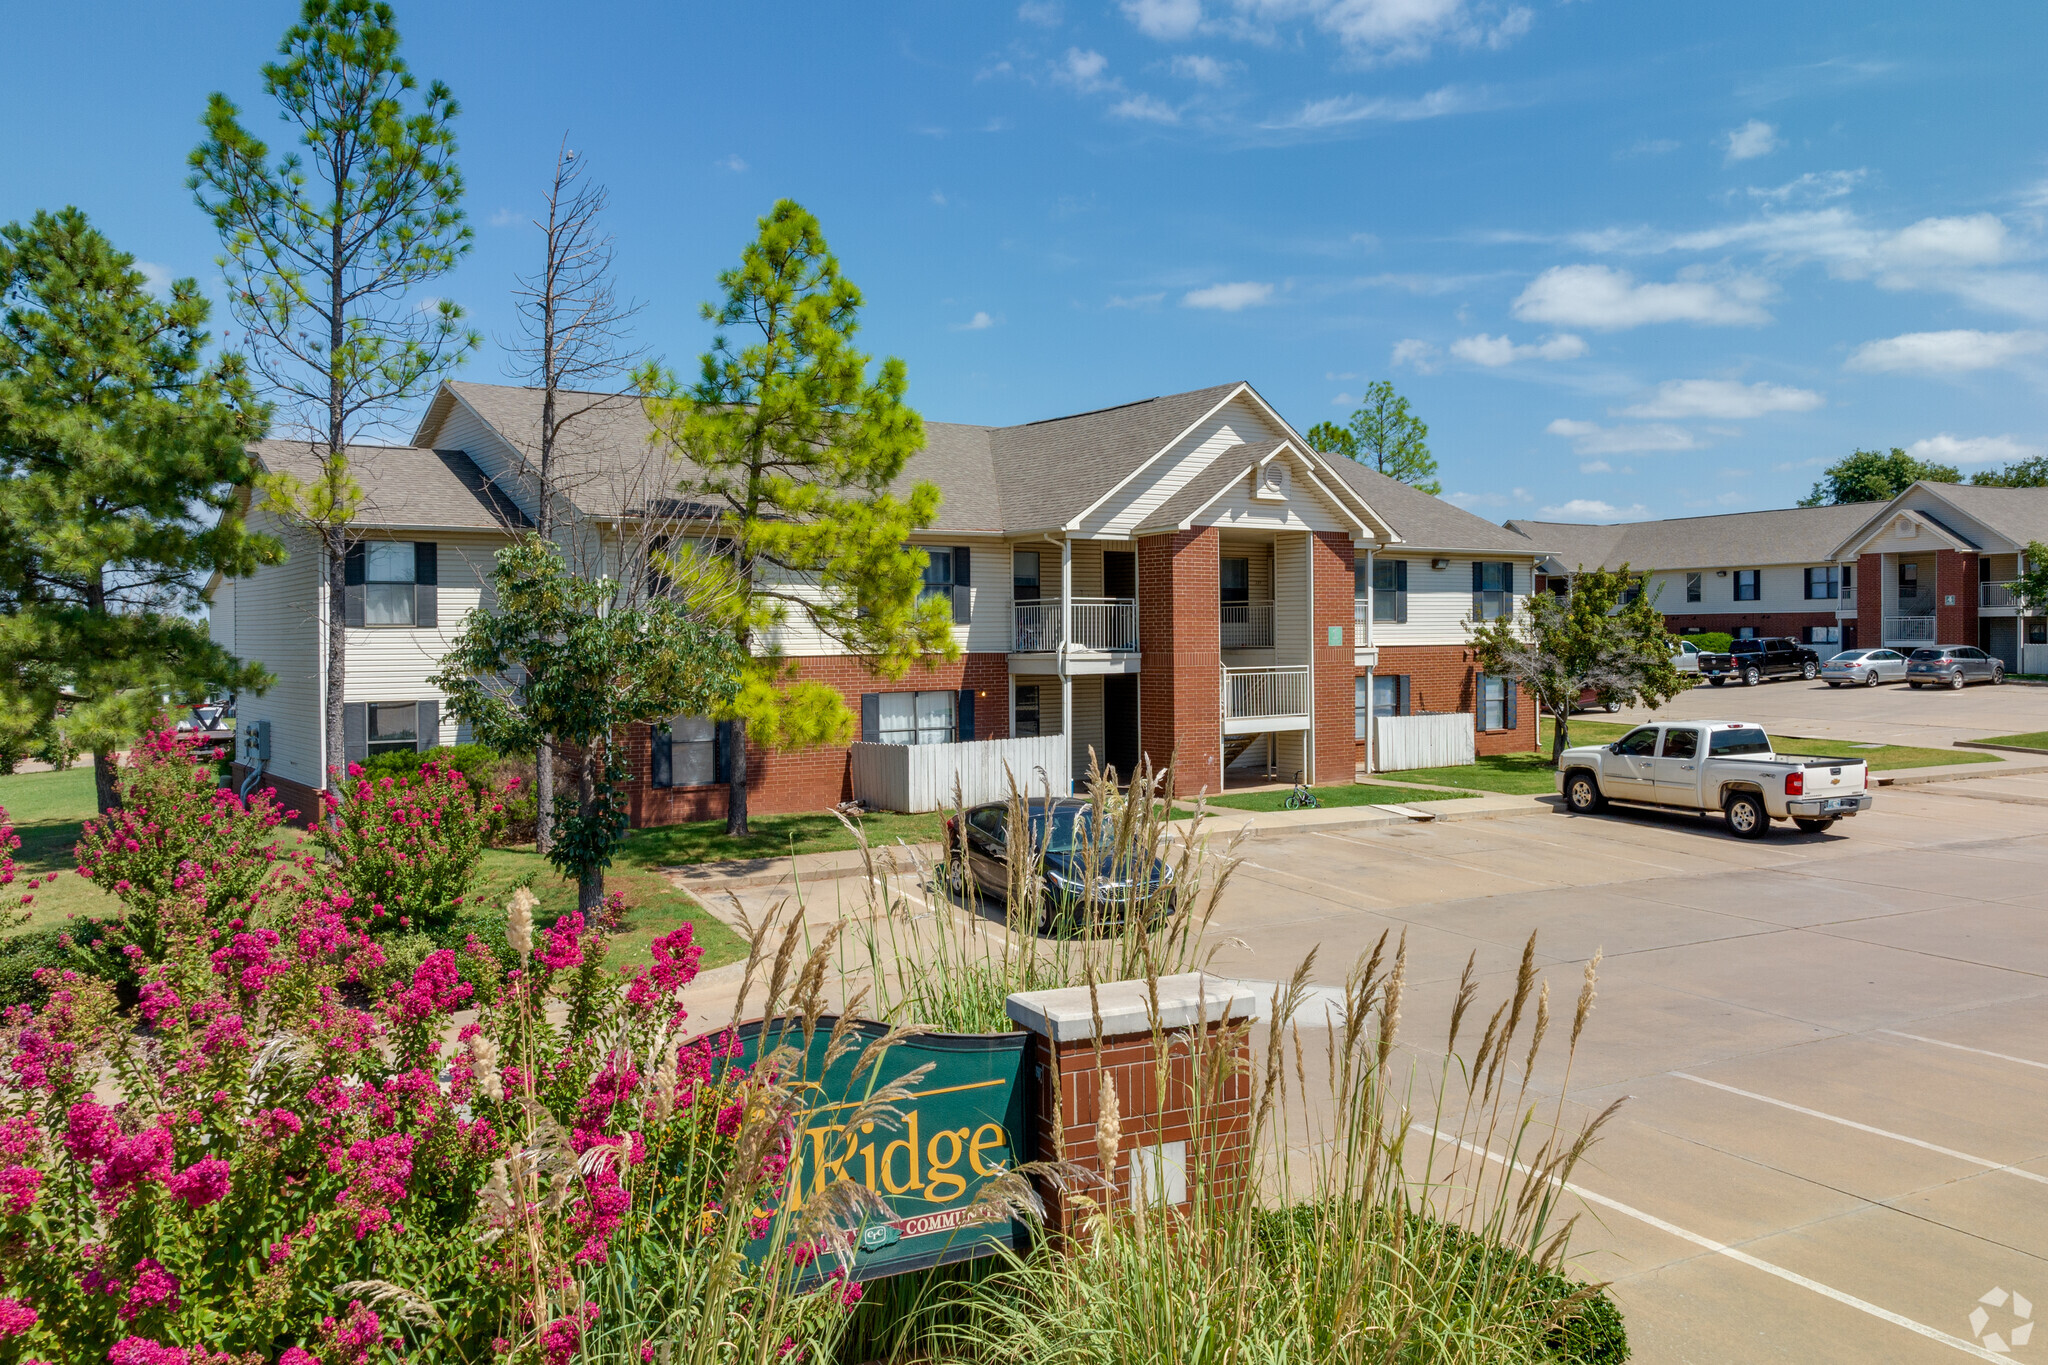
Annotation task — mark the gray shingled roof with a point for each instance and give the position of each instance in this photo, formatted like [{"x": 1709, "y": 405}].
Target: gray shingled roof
[
  {"x": 1425, "y": 520},
  {"x": 1782, "y": 535},
  {"x": 2018, "y": 514},
  {"x": 406, "y": 485}
]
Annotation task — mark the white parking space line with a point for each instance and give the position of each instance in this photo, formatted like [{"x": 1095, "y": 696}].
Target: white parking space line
[
  {"x": 1987, "y": 1164},
  {"x": 1723, "y": 1249},
  {"x": 2001, "y": 1056}
]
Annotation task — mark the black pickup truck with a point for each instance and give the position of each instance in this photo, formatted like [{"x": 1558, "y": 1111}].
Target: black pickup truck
[{"x": 1751, "y": 661}]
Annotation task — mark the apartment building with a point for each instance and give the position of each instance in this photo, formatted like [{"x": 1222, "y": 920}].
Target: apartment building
[{"x": 1180, "y": 579}]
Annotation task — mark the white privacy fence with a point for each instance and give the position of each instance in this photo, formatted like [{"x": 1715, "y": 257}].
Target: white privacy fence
[
  {"x": 1401, "y": 743},
  {"x": 921, "y": 777},
  {"x": 2034, "y": 659}
]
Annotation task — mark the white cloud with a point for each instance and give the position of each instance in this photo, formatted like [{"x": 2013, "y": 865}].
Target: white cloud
[
  {"x": 1342, "y": 110},
  {"x": 155, "y": 278},
  {"x": 1723, "y": 398},
  {"x": 1468, "y": 501},
  {"x": 1492, "y": 351},
  {"x": 1752, "y": 140},
  {"x": 733, "y": 164},
  {"x": 1978, "y": 240},
  {"x": 505, "y": 218},
  {"x": 1146, "y": 109},
  {"x": 1203, "y": 70},
  {"x": 1593, "y": 509},
  {"x": 1590, "y": 438},
  {"x": 1168, "y": 19},
  {"x": 1608, "y": 299},
  {"x": 1424, "y": 284},
  {"x": 1415, "y": 353},
  {"x": 1228, "y": 298},
  {"x": 1045, "y": 13},
  {"x": 1135, "y": 300},
  {"x": 1953, "y": 352},
  {"x": 1595, "y": 467},
  {"x": 939, "y": 198},
  {"x": 1082, "y": 68},
  {"x": 1386, "y": 29},
  {"x": 1972, "y": 449},
  {"x": 1818, "y": 186},
  {"x": 1650, "y": 146},
  {"x": 980, "y": 322}
]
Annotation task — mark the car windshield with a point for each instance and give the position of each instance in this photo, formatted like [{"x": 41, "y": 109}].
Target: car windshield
[
  {"x": 1735, "y": 743},
  {"x": 1069, "y": 829},
  {"x": 1928, "y": 656},
  {"x": 1852, "y": 654}
]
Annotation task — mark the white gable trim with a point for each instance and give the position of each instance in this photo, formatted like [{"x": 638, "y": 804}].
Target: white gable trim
[
  {"x": 1284, "y": 446},
  {"x": 1882, "y": 520},
  {"x": 1074, "y": 523}
]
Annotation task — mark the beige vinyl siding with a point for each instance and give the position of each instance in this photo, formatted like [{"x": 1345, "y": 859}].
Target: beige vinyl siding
[
  {"x": 275, "y": 623},
  {"x": 220, "y": 615},
  {"x": 463, "y": 430},
  {"x": 1258, "y": 550},
  {"x": 1440, "y": 600},
  {"x": 1237, "y": 423},
  {"x": 987, "y": 629},
  {"x": 394, "y": 663},
  {"x": 1305, "y": 508},
  {"x": 1781, "y": 588},
  {"x": 1291, "y": 599},
  {"x": 1089, "y": 727}
]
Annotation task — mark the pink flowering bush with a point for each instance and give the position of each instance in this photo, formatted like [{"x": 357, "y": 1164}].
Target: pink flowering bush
[{"x": 405, "y": 848}]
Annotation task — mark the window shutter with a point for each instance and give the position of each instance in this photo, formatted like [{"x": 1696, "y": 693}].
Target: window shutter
[
  {"x": 1401, "y": 689},
  {"x": 426, "y": 577},
  {"x": 721, "y": 751},
  {"x": 660, "y": 757},
  {"x": 355, "y": 731},
  {"x": 871, "y": 718},
  {"x": 429, "y": 721},
  {"x": 352, "y": 567},
  {"x": 1507, "y": 577},
  {"x": 963, "y": 581},
  {"x": 1478, "y": 576},
  {"x": 1513, "y": 696},
  {"x": 966, "y": 714},
  {"x": 1401, "y": 605},
  {"x": 1478, "y": 702},
  {"x": 352, "y": 587}
]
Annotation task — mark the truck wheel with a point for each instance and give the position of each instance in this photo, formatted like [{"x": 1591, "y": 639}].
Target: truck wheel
[
  {"x": 1813, "y": 826},
  {"x": 1716, "y": 681},
  {"x": 1747, "y": 818},
  {"x": 1955, "y": 681},
  {"x": 1751, "y": 676},
  {"x": 1582, "y": 794},
  {"x": 1809, "y": 670}
]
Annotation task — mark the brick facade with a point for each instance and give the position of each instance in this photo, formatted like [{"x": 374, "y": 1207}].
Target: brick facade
[
  {"x": 293, "y": 796},
  {"x": 1180, "y": 639},
  {"x": 1333, "y": 668},
  {"x": 1446, "y": 678},
  {"x": 1870, "y": 590},
  {"x": 1955, "y": 575}
]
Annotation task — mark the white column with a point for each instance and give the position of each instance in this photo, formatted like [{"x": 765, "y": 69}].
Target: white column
[{"x": 1066, "y": 637}]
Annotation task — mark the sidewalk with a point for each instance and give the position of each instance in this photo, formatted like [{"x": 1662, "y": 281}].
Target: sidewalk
[{"x": 1224, "y": 821}]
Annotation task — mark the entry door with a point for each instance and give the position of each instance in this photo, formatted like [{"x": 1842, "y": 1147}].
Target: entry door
[{"x": 1120, "y": 723}]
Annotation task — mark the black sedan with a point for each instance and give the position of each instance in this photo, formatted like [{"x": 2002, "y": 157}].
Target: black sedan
[{"x": 1060, "y": 845}]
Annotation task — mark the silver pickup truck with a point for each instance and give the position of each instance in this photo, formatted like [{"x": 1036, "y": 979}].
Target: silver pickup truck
[{"x": 1719, "y": 765}]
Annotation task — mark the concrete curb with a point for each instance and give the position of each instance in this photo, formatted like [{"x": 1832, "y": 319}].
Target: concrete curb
[
  {"x": 2001, "y": 748},
  {"x": 1915, "y": 777}
]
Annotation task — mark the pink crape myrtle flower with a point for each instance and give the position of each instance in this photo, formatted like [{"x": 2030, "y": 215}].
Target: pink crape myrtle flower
[{"x": 203, "y": 1182}]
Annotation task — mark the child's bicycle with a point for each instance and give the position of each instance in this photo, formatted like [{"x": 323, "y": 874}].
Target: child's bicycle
[{"x": 1301, "y": 798}]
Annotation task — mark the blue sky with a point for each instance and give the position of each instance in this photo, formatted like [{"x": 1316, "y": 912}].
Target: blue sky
[{"x": 1626, "y": 259}]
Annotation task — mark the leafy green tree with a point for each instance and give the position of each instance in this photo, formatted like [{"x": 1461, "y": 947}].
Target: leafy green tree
[
  {"x": 1385, "y": 434},
  {"x": 798, "y": 448},
  {"x": 2031, "y": 472},
  {"x": 1606, "y": 635},
  {"x": 560, "y": 661},
  {"x": 2030, "y": 589},
  {"x": 121, "y": 449},
  {"x": 1875, "y": 476},
  {"x": 321, "y": 249}
]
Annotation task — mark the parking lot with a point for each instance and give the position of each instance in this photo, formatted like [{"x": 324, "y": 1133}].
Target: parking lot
[{"x": 1892, "y": 714}]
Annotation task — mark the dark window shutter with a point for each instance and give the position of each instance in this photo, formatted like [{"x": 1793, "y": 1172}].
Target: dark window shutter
[
  {"x": 963, "y": 581},
  {"x": 966, "y": 714},
  {"x": 721, "y": 751},
  {"x": 1507, "y": 578},
  {"x": 426, "y": 606},
  {"x": 355, "y": 731},
  {"x": 1401, "y": 689},
  {"x": 1513, "y": 696},
  {"x": 660, "y": 757},
  {"x": 429, "y": 721},
  {"x": 426, "y": 567},
  {"x": 352, "y": 568},
  {"x": 1479, "y": 701},
  {"x": 1478, "y": 576},
  {"x": 871, "y": 718},
  {"x": 1401, "y": 604}
]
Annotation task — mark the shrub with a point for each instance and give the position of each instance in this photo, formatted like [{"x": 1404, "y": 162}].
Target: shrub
[
  {"x": 1712, "y": 641},
  {"x": 499, "y": 785},
  {"x": 404, "y": 848}
]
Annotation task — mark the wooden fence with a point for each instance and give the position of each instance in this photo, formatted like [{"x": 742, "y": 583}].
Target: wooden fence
[
  {"x": 1404, "y": 742},
  {"x": 920, "y": 777}
]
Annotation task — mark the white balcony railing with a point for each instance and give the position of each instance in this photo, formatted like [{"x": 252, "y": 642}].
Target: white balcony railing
[
  {"x": 1247, "y": 625},
  {"x": 1848, "y": 597},
  {"x": 1909, "y": 629},
  {"x": 1995, "y": 595},
  {"x": 1260, "y": 693},
  {"x": 1109, "y": 624}
]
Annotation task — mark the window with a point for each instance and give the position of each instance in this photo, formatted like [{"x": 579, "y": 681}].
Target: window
[
  {"x": 1361, "y": 588},
  {"x": 1745, "y": 632},
  {"x": 1692, "y": 587},
  {"x": 1639, "y": 743},
  {"x": 1361, "y": 705},
  {"x": 1493, "y": 590},
  {"x": 1681, "y": 743},
  {"x": 916, "y": 717},
  {"x": 2037, "y": 630},
  {"x": 394, "y": 726},
  {"x": 387, "y": 583},
  {"x": 686, "y": 754},
  {"x": 1493, "y": 702},
  {"x": 1909, "y": 578},
  {"x": 1024, "y": 575},
  {"x": 1736, "y": 741},
  {"x": 1027, "y": 709},
  {"x": 1235, "y": 575},
  {"x": 1386, "y": 693},
  {"x": 1748, "y": 584},
  {"x": 1823, "y": 635},
  {"x": 946, "y": 575},
  {"x": 1848, "y": 577},
  {"x": 992, "y": 821},
  {"x": 1821, "y": 583},
  {"x": 938, "y": 575},
  {"x": 1390, "y": 590}
]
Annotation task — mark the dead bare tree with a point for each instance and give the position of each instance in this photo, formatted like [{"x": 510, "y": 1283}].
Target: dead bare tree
[{"x": 575, "y": 346}]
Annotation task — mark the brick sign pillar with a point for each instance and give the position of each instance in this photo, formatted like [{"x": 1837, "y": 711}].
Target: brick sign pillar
[{"x": 1180, "y": 1126}]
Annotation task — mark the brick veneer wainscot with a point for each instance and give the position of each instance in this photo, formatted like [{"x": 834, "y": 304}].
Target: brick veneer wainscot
[
  {"x": 1180, "y": 636},
  {"x": 1955, "y": 575},
  {"x": 1445, "y": 678},
  {"x": 1335, "y": 671}
]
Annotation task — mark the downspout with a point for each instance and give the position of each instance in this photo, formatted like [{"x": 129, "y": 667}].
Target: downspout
[
  {"x": 1372, "y": 670},
  {"x": 320, "y": 620}
]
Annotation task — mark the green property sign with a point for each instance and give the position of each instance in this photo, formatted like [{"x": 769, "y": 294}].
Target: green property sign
[{"x": 968, "y": 1118}]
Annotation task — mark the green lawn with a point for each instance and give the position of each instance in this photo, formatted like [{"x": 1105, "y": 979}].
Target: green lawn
[
  {"x": 1883, "y": 758},
  {"x": 1354, "y": 794},
  {"x": 48, "y": 810},
  {"x": 1516, "y": 774},
  {"x": 774, "y": 836},
  {"x": 2037, "y": 739}
]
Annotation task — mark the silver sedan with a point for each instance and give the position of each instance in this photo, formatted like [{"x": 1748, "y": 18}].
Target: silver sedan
[{"x": 1865, "y": 667}]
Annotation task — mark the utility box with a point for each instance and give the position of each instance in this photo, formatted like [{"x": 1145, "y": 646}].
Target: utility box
[{"x": 253, "y": 737}]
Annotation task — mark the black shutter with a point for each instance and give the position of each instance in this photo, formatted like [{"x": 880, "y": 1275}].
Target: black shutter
[
  {"x": 352, "y": 587},
  {"x": 966, "y": 714},
  {"x": 426, "y": 577},
  {"x": 1513, "y": 697},
  {"x": 429, "y": 725},
  {"x": 963, "y": 580},
  {"x": 661, "y": 757},
  {"x": 1401, "y": 602},
  {"x": 1507, "y": 579},
  {"x": 721, "y": 751},
  {"x": 871, "y": 718},
  {"x": 1478, "y": 702},
  {"x": 1401, "y": 691},
  {"x": 355, "y": 731},
  {"x": 1478, "y": 576}
]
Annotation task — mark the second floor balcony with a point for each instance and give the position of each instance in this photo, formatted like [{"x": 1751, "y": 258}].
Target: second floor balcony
[
  {"x": 1107, "y": 625},
  {"x": 1247, "y": 625},
  {"x": 1257, "y": 699},
  {"x": 1995, "y": 595}
]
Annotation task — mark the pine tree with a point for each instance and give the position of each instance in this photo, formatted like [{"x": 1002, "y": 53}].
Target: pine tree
[
  {"x": 121, "y": 450},
  {"x": 1385, "y": 435},
  {"x": 322, "y": 247},
  {"x": 799, "y": 447}
]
